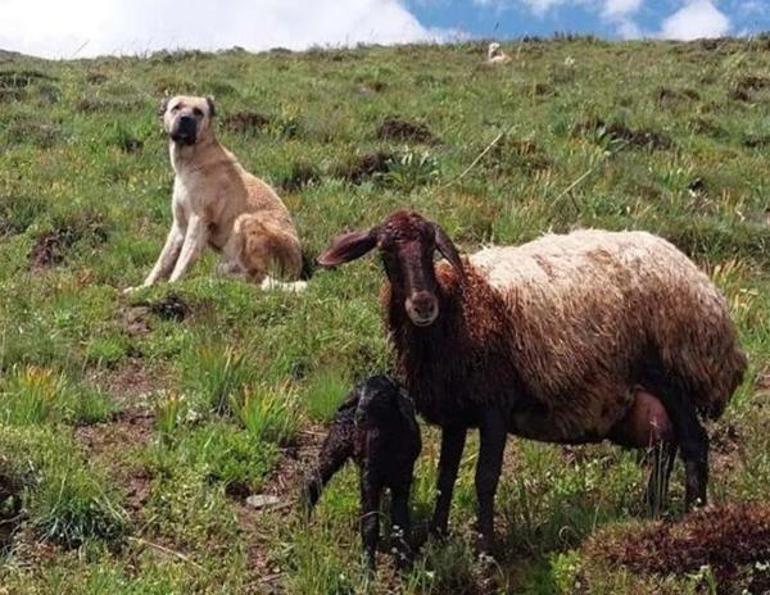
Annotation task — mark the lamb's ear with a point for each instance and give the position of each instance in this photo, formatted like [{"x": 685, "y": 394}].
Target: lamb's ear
[
  {"x": 212, "y": 109},
  {"x": 447, "y": 248},
  {"x": 163, "y": 106},
  {"x": 347, "y": 247}
]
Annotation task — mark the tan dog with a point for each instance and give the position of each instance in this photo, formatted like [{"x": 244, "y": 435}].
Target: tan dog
[{"x": 218, "y": 203}]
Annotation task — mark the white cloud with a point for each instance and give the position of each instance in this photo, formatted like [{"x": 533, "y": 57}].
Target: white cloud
[
  {"x": 696, "y": 19},
  {"x": 617, "y": 13},
  {"x": 59, "y": 28},
  {"x": 620, "y": 8}
]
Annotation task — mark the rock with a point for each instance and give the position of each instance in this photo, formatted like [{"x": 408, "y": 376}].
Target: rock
[{"x": 262, "y": 501}]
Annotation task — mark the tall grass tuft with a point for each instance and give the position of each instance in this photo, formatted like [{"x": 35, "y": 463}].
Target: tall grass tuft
[
  {"x": 324, "y": 392},
  {"x": 214, "y": 375},
  {"x": 73, "y": 508},
  {"x": 269, "y": 413},
  {"x": 31, "y": 395}
]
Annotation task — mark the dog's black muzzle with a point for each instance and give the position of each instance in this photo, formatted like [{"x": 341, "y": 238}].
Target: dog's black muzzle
[{"x": 185, "y": 131}]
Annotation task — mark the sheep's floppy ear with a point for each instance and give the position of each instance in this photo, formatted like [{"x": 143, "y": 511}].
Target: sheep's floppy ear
[
  {"x": 212, "y": 109},
  {"x": 347, "y": 247},
  {"x": 447, "y": 248},
  {"x": 163, "y": 106}
]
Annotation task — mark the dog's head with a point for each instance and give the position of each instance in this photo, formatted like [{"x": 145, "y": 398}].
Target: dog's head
[{"x": 187, "y": 119}]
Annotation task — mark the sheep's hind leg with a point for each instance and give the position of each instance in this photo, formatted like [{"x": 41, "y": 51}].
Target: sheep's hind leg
[
  {"x": 452, "y": 445},
  {"x": 493, "y": 433},
  {"x": 693, "y": 446}
]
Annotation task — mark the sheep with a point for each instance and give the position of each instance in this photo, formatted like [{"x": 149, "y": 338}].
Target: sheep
[
  {"x": 495, "y": 54},
  {"x": 376, "y": 427},
  {"x": 569, "y": 339}
]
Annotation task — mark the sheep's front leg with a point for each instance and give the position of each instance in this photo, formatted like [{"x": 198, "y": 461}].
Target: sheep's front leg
[
  {"x": 194, "y": 242},
  {"x": 493, "y": 433},
  {"x": 371, "y": 491},
  {"x": 452, "y": 445}
]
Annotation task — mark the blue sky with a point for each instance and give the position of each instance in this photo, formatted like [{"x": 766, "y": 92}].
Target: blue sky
[
  {"x": 84, "y": 28},
  {"x": 621, "y": 18}
]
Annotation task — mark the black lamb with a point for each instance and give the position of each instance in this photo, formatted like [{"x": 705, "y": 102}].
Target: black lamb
[{"x": 376, "y": 427}]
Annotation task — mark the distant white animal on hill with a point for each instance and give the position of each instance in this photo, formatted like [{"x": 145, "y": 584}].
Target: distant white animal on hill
[{"x": 495, "y": 54}]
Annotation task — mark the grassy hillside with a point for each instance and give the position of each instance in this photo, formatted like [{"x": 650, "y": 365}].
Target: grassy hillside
[{"x": 133, "y": 429}]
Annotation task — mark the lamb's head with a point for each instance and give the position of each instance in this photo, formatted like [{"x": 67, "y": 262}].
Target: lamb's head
[{"x": 407, "y": 242}]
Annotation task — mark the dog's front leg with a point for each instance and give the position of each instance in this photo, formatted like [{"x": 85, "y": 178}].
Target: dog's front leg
[
  {"x": 195, "y": 241},
  {"x": 168, "y": 256},
  {"x": 165, "y": 263}
]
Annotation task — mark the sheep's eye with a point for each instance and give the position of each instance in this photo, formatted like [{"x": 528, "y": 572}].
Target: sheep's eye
[{"x": 198, "y": 113}]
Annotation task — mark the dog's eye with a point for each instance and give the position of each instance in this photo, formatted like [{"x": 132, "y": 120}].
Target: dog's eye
[
  {"x": 198, "y": 113},
  {"x": 175, "y": 109}
]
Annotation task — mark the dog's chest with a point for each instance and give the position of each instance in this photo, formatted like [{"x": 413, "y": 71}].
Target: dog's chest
[{"x": 190, "y": 192}]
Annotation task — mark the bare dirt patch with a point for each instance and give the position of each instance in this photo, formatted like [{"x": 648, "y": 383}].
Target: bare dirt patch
[
  {"x": 753, "y": 141},
  {"x": 301, "y": 175},
  {"x": 746, "y": 87},
  {"x": 284, "y": 482},
  {"x": 109, "y": 443},
  {"x": 51, "y": 248},
  {"x": 517, "y": 154},
  {"x": 724, "y": 538},
  {"x": 397, "y": 129},
  {"x": 137, "y": 319},
  {"x": 667, "y": 97},
  {"x": 360, "y": 168},
  {"x": 246, "y": 122},
  {"x": 130, "y": 382},
  {"x": 20, "y": 79},
  {"x": 639, "y": 138},
  {"x": 97, "y": 78},
  {"x": 11, "y": 513}
]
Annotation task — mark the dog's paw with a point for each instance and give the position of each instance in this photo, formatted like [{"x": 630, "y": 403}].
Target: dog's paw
[{"x": 132, "y": 290}]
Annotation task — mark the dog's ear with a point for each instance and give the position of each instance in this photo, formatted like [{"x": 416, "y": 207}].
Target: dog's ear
[
  {"x": 212, "y": 109},
  {"x": 163, "y": 106},
  {"x": 347, "y": 247}
]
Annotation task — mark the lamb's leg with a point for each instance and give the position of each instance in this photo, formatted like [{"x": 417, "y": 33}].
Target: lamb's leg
[
  {"x": 664, "y": 456},
  {"x": 399, "y": 515},
  {"x": 452, "y": 444},
  {"x": 336, "y": 450},
  {"x": 371, "y": 491},
  {"x": 493, "y": 433},
  {"x": 693, "y": 446}
]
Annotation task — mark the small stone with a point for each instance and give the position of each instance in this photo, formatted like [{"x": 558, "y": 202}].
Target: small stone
[{"x": 262, "y": 501}]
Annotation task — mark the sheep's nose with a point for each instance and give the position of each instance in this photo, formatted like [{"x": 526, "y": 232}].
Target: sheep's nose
[{"x": 422, "y": 308}]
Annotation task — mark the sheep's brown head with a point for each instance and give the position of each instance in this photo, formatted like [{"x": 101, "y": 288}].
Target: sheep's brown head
[{"x": 407, "y": 242}]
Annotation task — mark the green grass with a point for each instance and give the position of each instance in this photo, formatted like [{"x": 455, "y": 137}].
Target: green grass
[{"x": 132, "y": 428}]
